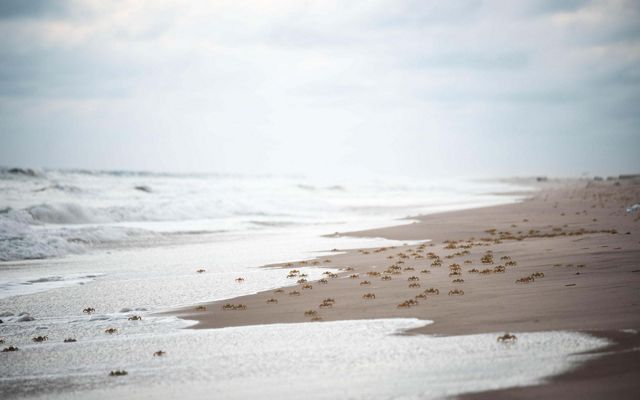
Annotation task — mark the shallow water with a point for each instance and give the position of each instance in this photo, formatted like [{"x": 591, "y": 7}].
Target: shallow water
[{"x": 345, "y": 359}]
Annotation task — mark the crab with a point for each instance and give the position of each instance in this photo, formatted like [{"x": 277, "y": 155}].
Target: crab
[
  {"x": 456, "y": 292},
  {"x": 240, "y": 279},
  {"x": 135, "y": 318},
  {"x": 89, "y": 310},
  {"x": 413, "y": 279},
  {"x": 294, "y": 293},
  {"x": 455, "y": 273},
  {"x": 432, "y": 291},
  {"x": 369, "y": 296},
  {"x": 69, "y": 340},
  {"x": 473, "y": 271},
  {"x": 386, "y": 278},
  {"x": 420, "y": 296},
  {"x": 425, "y": 271},
  {"x": 354, "y": 276},
  {"x": 348, "y": 269},
  {"x": 414, "y": 285},
  {"x": 537, "y": 275},
  {"x": 40, "y": 338},
  {"x": 272, "y": 301},
  {"x": 326, "y": 304},
  {"x": 159, "y": 353},
  {"x": 323, "y": 281},
  {"x": 10, "y": 348},
  {"x": 201, "y": 270},
  {"x": 234, "y": 307},
  {"x": 363, "y": 283},
  {"x": 499, "y": 269},
  {"x": 307, "y": 286},
  {"x": 310, "y": 313},
  {"x": 278, "y": 291},
  {"x": 316, "y": 319},
  {"x": 110, "y": 330},
  {"x": 301, "y": 281},
  {"x": 408, "y": 303},
  {"x": 118, "y": 373},
  {"x": 373, "y": 273},
  {"x": 201, "y": 308},
  {"x": 332, "y": 275},
  {"x": 507, "y": 337},
  {"x": 526, "y": 279}
]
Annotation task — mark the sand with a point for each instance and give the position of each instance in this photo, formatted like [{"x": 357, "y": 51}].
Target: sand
[{"x": 577, "y": 233}]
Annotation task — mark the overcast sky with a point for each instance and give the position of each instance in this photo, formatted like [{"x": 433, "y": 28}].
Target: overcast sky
[{"x": 418, "y": 88}]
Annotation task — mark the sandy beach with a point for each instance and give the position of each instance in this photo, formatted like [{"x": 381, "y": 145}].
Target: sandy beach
[{"x": 565, "y": 258}]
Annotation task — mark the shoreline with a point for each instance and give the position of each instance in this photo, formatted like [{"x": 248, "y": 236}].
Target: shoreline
[{"x": 573, "y": 232}]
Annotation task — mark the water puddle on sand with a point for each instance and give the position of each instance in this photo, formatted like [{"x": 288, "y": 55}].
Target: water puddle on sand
[{"x": 365, "y": 359}]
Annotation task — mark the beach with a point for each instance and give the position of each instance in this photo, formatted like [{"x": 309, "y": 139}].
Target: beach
[
  {"x": 403, "y": 288},
  {"x": 572, "y": 244}
]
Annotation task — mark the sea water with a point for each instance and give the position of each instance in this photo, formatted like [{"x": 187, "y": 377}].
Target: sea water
[{"x": 129, "y": 243}]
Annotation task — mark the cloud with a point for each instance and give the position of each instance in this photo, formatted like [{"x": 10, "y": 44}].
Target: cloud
[{"x": 240, "y": 85}]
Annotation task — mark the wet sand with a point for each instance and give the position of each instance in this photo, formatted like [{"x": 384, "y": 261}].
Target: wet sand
[{"x": 575, "y": 233}]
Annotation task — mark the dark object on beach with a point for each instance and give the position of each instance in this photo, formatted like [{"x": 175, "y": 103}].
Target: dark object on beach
[
  {"x": 636, "y": 270},
  {"x": 39, "y": 339},
  {"x": 571, "y": 284},
  {"x": 143, "y": 188},
  {"x": 10, "y": 348},
  {"x": 135, "y": 318},
  {"x": 118, "y": 373},
  {"x": 541, "y": 179},
  {"x": 507, "y": 337},
  {"x": 159, "y": 353},
  {"x": 110, "y": 330},
  {"x": 201, "y": 270},
  {"x": 630, "y": 176},
  {"x": 1, "y": 321},
  {"x": 89, "y": 310},
  {"x": 70, "y": 340}
]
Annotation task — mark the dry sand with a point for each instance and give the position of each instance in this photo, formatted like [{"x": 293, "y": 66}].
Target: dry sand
[{"x": 577, "y": 233}]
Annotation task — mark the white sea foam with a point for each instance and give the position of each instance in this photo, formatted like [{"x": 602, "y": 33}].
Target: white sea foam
[{"x": 47, "y": 214}]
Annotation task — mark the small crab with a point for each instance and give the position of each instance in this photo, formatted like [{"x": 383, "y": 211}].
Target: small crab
[
  {"x": 272, "y": 301},
  {"x": 369, "y": 296},
  {"x": 159, "y": 353},
  {"x": 310, "y": 313},
  {"x": 38, "y": 339},
  {"x": 363, "y": 283},
  {"x": 456, "y": 292},
  {"x": 432, "y": 291},
  {"x": 10, "y": 348},
  {"x": 507, "y": 337},
  {"x": 201, "y": 270},
  {"x": 70, "y": 340},
  {"x": 240, "y": 279},
  {"x": 110, "y": 330},
  {"x": 89, "y": 310},
  {"x": 135, "y": 318},
  {"x": 118, "y": 373}
]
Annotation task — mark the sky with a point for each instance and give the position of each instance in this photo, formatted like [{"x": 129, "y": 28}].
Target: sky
[{"x": 330, "y": 88}]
